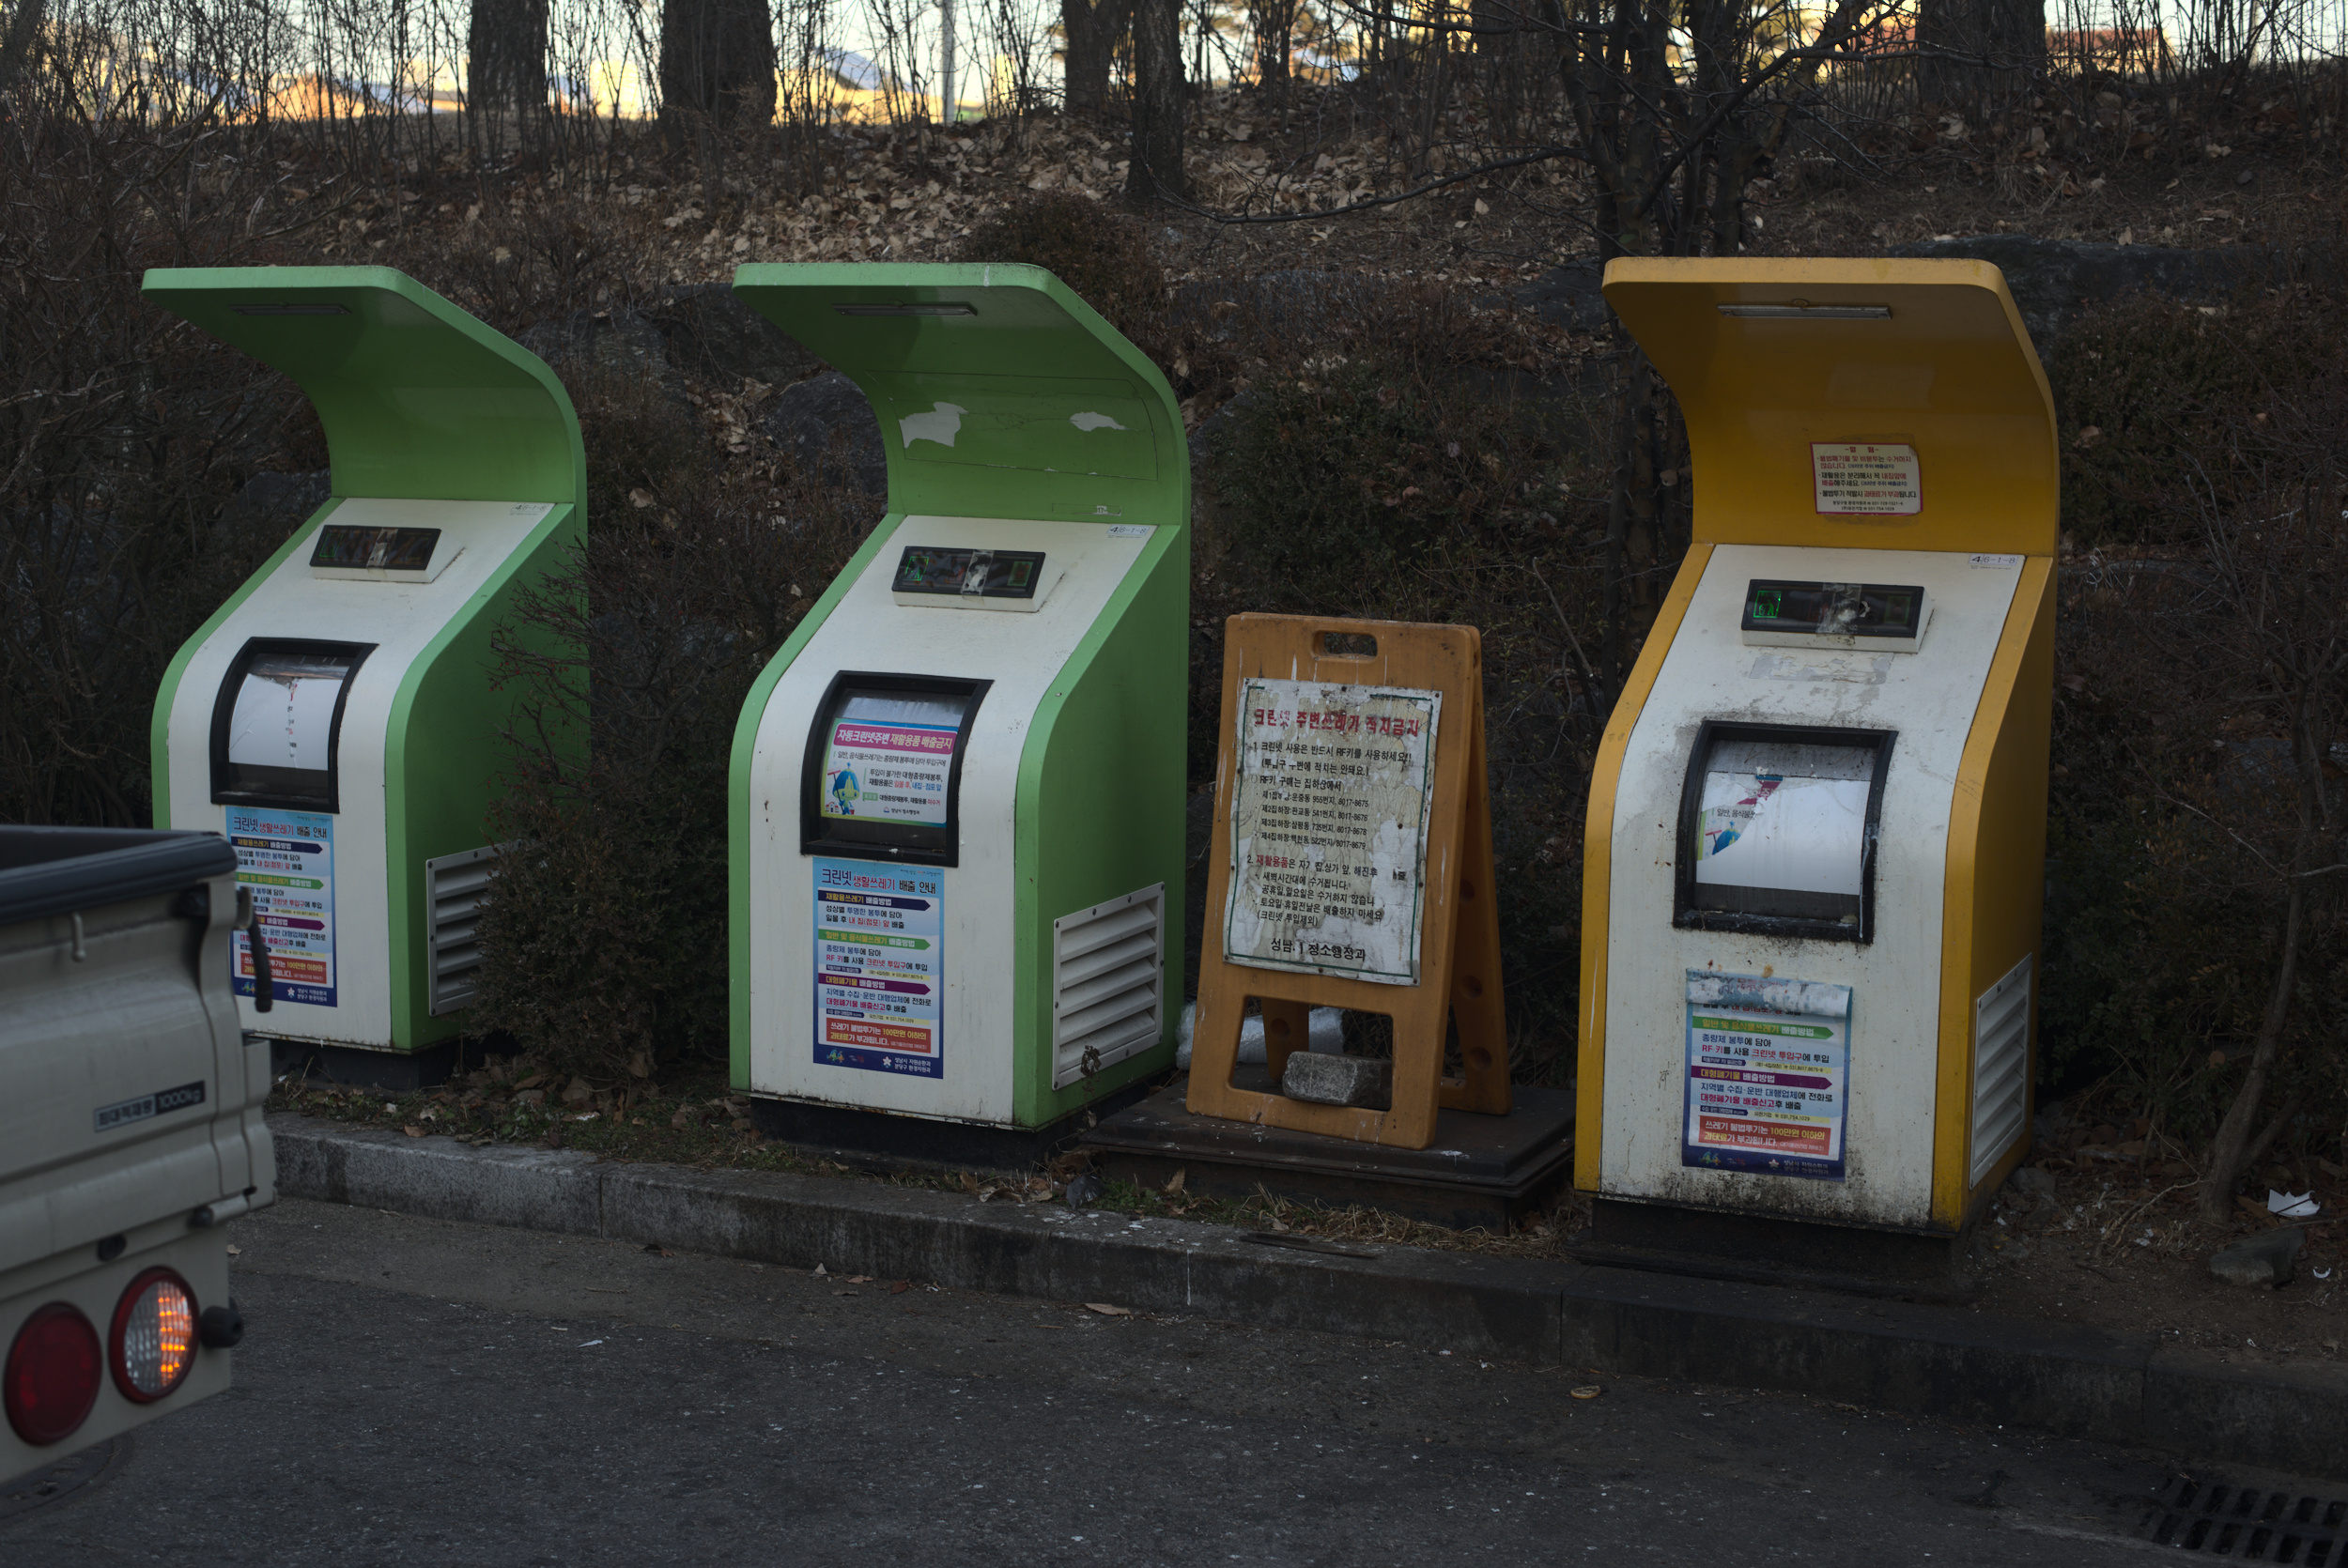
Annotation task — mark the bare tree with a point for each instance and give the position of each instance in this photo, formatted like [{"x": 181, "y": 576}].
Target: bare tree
[
  {"x": 1021, "y": 37},
  {"x": 1090, "y": 31},
  {"x": 716, "y": 67},
  {"x": 1671, "y": 162},
  {"x": 1975, "y": 51},
  {"x": 506, "y": 74},
  {"x": 1155, "y": 172},
  {"x": 1273, "y": 23},
  {"x": 16, "y": 44}
]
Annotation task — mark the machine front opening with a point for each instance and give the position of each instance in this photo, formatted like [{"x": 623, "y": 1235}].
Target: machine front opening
[
  {"x": 277, "y": 724},
  {"x": 883, "y": 777},
  {"x": 1777, "y": 830}
]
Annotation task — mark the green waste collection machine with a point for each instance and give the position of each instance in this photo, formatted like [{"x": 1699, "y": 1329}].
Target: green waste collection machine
[
  {"x": 338, "y": 719},
  {"x": 958, "y": 788}
]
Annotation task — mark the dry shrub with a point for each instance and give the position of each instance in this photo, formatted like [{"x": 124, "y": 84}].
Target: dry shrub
[
  {"x": 1097, "y": 252},
  {"x": 2202, "y": 713},
  {"x": 604, "y": 951},
  {"x": 1348, "y": 489},
  {"x": 533, "y": 253},
  {"x": 2145, "y": 382},
  {"x": 122, "y": 433},
  {"x": 125, "y": 434}
]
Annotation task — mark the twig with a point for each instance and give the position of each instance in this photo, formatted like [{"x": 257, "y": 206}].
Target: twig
[
  {"x": 1598, "y": 687},
  {"x": 2121, "y": 1224},
  {"x": 2186, "y": 804}
]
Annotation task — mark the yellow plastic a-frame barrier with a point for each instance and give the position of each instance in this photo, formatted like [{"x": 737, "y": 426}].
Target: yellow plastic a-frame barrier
[{"x": 1430, "y": 670}]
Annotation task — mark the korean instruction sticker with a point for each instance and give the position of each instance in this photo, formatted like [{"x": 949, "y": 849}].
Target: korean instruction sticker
[
  {"x": 287, "y": 859},
  {"x": 1329, "y": 829},
  {"x": 892, "y": 764},
  {"x": 1866, "y": 479},
  {"x": 1768, "y": 1077},
  {"x": 878, "y": 973}
]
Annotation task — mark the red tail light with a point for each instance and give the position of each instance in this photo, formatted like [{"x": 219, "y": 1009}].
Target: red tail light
[
  {"x": 153, "y": 1342},
  {"x": 51, "y": 1377}
]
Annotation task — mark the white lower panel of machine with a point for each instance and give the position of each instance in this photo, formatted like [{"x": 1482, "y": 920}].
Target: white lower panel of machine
[
  {"x": 1881, "y": 1060},
  {"x": 968, "y": 1072}
]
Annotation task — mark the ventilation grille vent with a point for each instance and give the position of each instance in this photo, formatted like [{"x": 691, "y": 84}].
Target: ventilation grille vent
[
  {"x": 2001, "y": 1068},
  {"x": 459, "y": 886},
  {"x": 1108, "y": 983}
]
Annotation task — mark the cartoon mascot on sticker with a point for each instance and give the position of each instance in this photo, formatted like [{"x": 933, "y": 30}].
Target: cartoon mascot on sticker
[{"x": 844, "y": 793}]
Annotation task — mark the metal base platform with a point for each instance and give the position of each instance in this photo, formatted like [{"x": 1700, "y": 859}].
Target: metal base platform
[
  {"x": 1481, "y": 1171},
  {"x": 393, "y": 1071},
  {"x": 883, "y": 1140},
  {"x": 1755, "y": 1249}
]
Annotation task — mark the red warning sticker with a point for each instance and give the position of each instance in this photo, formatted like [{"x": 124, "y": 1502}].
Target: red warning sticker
[{"x": 1867, "y": 479}]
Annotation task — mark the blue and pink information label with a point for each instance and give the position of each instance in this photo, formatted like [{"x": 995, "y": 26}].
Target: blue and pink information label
[
  {"x": 287, "y": 859},
  {"x": 1769, "y": 1075},
  {"x": 890, "y": 759},
  {"x": 878, "y": 970}
]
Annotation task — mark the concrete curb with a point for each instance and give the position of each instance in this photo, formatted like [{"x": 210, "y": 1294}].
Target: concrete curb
[{"x": 1945, "y": 1362}]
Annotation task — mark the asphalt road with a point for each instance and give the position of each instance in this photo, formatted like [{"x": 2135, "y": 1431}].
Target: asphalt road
[{"x": 420, "y": 1392}]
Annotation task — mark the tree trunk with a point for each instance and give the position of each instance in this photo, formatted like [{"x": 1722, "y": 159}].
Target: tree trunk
[
  {"x": 1275, "y": 24},
  {"x": 1090, "y": 30},
  {"x": 1155, "y": 172},
  {"x": 716, "y": 66},
  {"x": 1627, "y": 583},
  {"x": 505, "y": 75},
  {"x": 2231, "y": 1149},
  {"x": 946, "y": 62},
  {"x": 2002, "y": 45},
  {"x": 17, "y": 46}
]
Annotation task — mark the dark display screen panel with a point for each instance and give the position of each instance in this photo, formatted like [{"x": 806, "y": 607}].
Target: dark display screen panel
[
  {"x": 375, "y": 549},
  {"x": 883, "y": 773},
  {"x": 277, "y": 723},
  {"x": 952, "y": 571},
  {"x": 1834, "y": 609}
]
